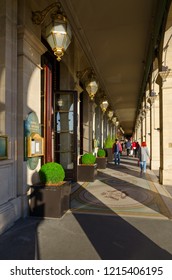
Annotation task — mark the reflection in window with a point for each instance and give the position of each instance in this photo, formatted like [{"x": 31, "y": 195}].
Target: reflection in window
[
  {"x": 58, "y": 122},
  {"x": 69, "y": 124},
  {"x": 71, "y": 118},
  {"x": 65, "y": 129}
]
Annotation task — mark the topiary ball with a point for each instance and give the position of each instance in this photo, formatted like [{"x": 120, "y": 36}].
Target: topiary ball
[
  {"x": 51, "y": 173},
  {"x": 101, "y": 153},
  {"x": 88, "y": 158}
]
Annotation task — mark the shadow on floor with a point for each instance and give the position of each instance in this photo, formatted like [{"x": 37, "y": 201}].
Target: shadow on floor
[
  {"x": 115, "y": 239},
  {"x": 18, "y": 243}
]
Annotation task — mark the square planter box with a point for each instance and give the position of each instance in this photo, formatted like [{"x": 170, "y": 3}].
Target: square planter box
[
  {"x": 87, "y": 173},
  {"x": 101, "y": 162},
  {"x": 50, "y": 200}
]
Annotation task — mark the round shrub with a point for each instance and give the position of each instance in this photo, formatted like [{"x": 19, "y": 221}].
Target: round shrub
[
  {"x": 51, "y": 173},
  {"x": 88, "y": 158},
  {"x": 101, "y": 153}
]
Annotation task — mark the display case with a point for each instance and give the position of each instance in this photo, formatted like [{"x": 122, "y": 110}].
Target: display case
[{"x": 35, "y": 145}]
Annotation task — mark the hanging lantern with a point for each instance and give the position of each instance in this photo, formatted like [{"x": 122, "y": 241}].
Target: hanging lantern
[
  {"x": 57, "y": 32},
  {"x": 104, "y": 105},
  {"x": 88, "y": 78},
  {"x": 114, "y": 120},
  {"x": 60, "y": 102},
  {"x": 91, "y": 87},
  {"x": 110, "y": 114}
]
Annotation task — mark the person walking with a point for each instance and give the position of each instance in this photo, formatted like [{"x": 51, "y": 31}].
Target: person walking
[
  {"x": 137, "y": 148},
  {"x": 134, "y": 147},
  {"x": 116, "y": 150},
  {"x": 128, "y": 147},
  {"x": 143, "y": 155}
]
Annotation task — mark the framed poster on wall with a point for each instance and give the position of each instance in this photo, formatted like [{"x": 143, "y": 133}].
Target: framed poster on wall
[{"x": 3, "y": 147}]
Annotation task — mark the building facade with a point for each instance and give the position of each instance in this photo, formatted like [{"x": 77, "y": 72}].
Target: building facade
[{"x": 42, "y": 96}]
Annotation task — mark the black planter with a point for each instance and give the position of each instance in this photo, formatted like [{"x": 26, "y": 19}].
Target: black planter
[
  {"x": 87, "y": 173},
  {"x": 50, "y": 200},
  {"x": 109, "y": 154},
  {"x": 101, "y": 162}
]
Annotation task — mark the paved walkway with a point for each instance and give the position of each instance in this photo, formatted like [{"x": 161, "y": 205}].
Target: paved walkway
[{"x": 122, "y": 215}]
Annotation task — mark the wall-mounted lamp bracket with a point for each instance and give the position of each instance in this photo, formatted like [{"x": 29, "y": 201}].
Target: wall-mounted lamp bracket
[
  {"x": 38, "y": 17},
  {"x": 57, "y": 32}
]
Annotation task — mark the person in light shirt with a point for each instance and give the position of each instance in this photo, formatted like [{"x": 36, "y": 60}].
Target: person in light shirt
[{"x": 143, "y": 155}]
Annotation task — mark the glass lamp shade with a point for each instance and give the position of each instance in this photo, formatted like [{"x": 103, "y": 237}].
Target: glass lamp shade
[
  {"x": 91, "y": 87},
  {"x": 110, "y": 114},
  {"x": 58, "y": 35},
  {"x": 114, "y": 120},
  {"x": 60, "y": 102},
  {"x": 104, "y": 106}
]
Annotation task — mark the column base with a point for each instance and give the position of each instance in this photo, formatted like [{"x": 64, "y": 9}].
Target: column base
[
  {"x": 155, "y": 164},
  {"x": 9, "y": 213},
  {"x": 165, "y": 176}
]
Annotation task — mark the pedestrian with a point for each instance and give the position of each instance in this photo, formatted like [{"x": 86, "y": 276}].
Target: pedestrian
[
  {"x": 143, "y": 155},
  {"x": 120, "y": 148},
  {"x": 134, "y": 147},
  {"x": 128, "y": 147},
  {"x": 137, "y": 148},
  {"x": 116, "y": 150}
]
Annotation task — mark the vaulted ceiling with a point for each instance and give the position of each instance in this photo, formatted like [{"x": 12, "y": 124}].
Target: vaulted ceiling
[{"x": 116, "y": 36}]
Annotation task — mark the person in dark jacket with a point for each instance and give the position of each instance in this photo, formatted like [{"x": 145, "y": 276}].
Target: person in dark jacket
[
  {"x": 116, "y": 150},
  {"x": 128, "y": 147},
  {"x": 137, "y": 148}
]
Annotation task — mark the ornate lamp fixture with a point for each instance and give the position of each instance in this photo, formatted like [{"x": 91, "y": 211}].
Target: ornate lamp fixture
[
  {"x": 60, "y": 102},
  {"x": 89, "y": 81},
  {"x": 165, "y": 72},
  {"x": 114, "y": 120},
  {"x": 103, "y": 105},
  {"x": 110, "y": 114},
  {"x": 91, "y": 87},
  {"x": 152, "y": 97},
  {"x": 57, "y": 32}
]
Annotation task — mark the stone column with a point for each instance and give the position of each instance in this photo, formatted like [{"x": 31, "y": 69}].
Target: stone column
[
  {"x": 138, "y": 133},
  {"x": 102, "y": 127},
  {"x": 166, "y": 128},
  {"x": 86, "y": 122},
  {"x": 29, "y": 54},
  {"x": 98, "y": 126},
  {"x": 10, "y": 204},
  {"x": 143, "y": 128},
  {"x": 147, "y": 125},
  {"x": 155, "y": 133}
]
